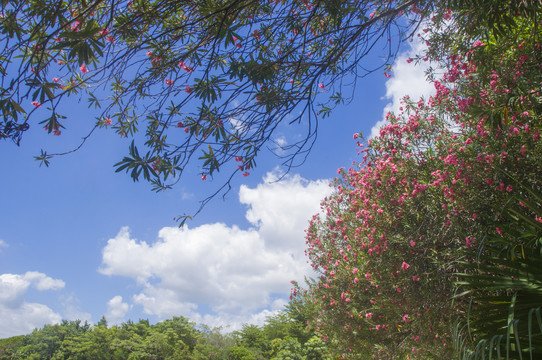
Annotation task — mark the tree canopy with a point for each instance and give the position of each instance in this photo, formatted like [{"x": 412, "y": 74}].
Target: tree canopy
[
  {"x": 208, "y": 82},
  {"x": 280, "y": 337}
]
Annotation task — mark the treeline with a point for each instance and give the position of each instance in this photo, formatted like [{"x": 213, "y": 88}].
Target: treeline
[{"x": 283, "y": 336}]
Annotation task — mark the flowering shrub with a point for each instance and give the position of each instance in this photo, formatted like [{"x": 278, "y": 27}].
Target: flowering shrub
[{"x": 425, "y": 195}]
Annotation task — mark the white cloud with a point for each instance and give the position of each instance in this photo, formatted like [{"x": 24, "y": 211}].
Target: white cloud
[
  {"x": 21, "y": 317},
  {"x": 407, "y": 79},
  {"x": 3, "y": 244},
  {"x": 280, "y": 212},
  {"x": 117, "y": 310},
  {"x": 240, "y": 274},
  {"x": 43, "y": 282},
  {"x": 25, "y": 318},
  {"x": 13, "y": 287}
]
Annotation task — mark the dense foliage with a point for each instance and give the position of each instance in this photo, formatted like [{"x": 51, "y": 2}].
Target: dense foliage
[
  {"x": 212, "y": 80},
  {"x": 448, "y": 194},
  {"x": 280, "y": 338}
]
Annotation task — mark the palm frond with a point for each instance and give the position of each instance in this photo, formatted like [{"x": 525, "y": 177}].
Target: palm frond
[{"x": 504, "y": 320}]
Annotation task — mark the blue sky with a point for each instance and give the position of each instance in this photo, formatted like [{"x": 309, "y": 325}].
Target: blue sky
[{"x": 78, "y": 241}]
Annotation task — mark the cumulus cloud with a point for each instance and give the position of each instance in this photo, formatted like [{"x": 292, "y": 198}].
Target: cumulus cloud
[
  {"x": 21, "y": 317},
  {"x": 117, "y": 310},
  {"x": 280, "y": 212},
  {"x": 239, "y": 274},
  {"x": 407, "y": 79},
  {"x": 43, "y": 282}
]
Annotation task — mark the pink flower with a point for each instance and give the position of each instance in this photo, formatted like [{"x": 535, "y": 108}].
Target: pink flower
[
  {"x": 36, "y": 104},
  {"x": 203, "y": 177},
  {"x": 415, "y": 278},
  {"x": 185, "y": 67},
  {"x": 107, "y": 121},
  {"x": 499, "y": 231},
  {"x": 412, "y": 243},
  {"x": 75, "y": 26},
  {"x": 355, "y": 271},
  {"x": 469, "y": 241},
  {"x": 55, "y": 79},
  {"x": 169, "y": 82},
  {"x": 405, "y": 266},
  {"x": 56, "y": 133},
  {"x": 356, "y": 280},
  {"x": 83, "y": 69},
  {"x": 321, "y": 86},
  {"x": 188, "y": 89},
  {"x": 387, "y": 75},
  {"x": 245, "y": 174},
  {"x": 369, "y": 315},
  {"x": 477, "y": 43},
  {"x": 405, "y": 318}
]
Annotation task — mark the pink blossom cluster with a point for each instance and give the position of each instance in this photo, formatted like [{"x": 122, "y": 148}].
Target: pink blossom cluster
[{"x": 419, "y": 198}]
